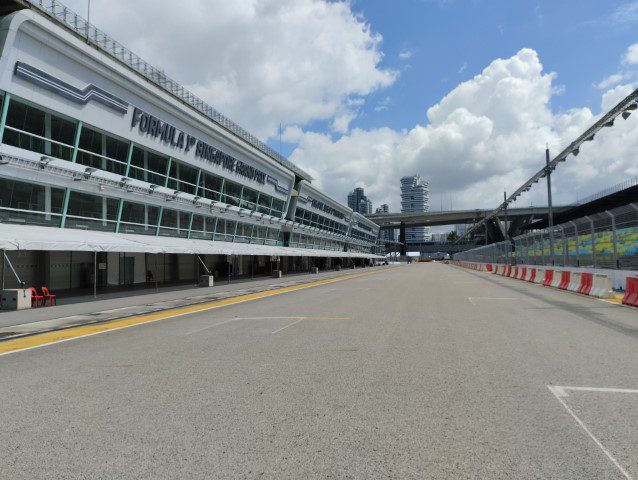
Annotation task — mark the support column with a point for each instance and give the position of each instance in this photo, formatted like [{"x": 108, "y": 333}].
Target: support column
[
  {"x": 3, "y": 117},
  {"x": 129, "y": 156},
  {"x": 161, "y": 210},
  {"x": 74, "y": 157}
]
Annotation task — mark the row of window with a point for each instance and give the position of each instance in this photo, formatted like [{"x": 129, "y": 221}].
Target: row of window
[
  {"x": 32, "y": 128},
  {"x": 22, "y": 202},
  {"x": 306, "y": 217},
  {"x": 358, "y": 234},
  {"x": 301, "y": 240}
]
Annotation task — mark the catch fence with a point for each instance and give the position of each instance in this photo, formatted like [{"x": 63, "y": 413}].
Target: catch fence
[{"x": 605, "y": 240}]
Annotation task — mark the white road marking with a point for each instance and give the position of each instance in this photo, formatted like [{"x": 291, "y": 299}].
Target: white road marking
[
  {"x": 289, "y": 325},
  {"x": 561, "y": 392},
  {"x": 471, "y": 299}
]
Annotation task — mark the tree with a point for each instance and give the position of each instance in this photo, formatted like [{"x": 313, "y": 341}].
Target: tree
[{"x": 452, "y": 236}]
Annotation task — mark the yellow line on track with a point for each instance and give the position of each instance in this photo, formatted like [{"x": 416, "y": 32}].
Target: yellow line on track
[{"x": 47, "y": 338}]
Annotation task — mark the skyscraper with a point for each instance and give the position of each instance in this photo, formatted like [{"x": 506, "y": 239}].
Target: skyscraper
[
  {"x": 385, "y": 235},
  {"x": 415, "y": 199},
  {"x": 358, "y": 202}
]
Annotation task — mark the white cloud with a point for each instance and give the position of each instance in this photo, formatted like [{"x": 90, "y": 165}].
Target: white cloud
[
  {"x": 383, "y": 104},
  {"x": 487, "y": 135},
  {"x": 405, "y": 55},
  {"x": 631, "y": 55},
  {"x": 463, "y": 67},
  {"x": 258, "y": 62},
  {"x": 610, "y": 81}
]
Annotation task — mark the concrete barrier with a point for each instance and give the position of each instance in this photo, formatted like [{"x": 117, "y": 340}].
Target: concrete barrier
[
  {"x": 601, "y": 286},
  {"x": 531, "y": 275},
  {"x": 540, "y": 276},
  {"x": 631, "y": 292},
  {"x": 549, "y": 277},
  {"x": 586, "y": 282},
  {"x": 565, "y": 278},
  {"x": 522, "y": 273},
  {"x": 575, "y": 282},
  {"x": 556, "y": 279}
]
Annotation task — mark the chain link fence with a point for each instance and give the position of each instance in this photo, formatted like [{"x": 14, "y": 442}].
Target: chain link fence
[{"x": 605, "y": 240}]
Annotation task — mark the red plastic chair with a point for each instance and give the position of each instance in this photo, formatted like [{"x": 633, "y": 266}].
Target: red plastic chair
[
  {"x": 36, "y": 299},
  {"x": 48, "y": 296}
]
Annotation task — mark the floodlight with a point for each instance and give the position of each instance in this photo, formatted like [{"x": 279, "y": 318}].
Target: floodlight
[{"x": 44, "y": 161}]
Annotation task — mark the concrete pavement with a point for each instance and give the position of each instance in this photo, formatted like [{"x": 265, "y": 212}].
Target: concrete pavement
[{"x": 423, "y": 371}]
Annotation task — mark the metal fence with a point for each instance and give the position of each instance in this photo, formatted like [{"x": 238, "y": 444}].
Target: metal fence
[{"x": 605, "y": 240}]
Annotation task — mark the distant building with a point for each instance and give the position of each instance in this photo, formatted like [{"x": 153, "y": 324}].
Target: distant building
[
  {"x": 358, "y": 202},
  {"x": 439, "y": 237},
  {"x": 385, "y": 235},
  {"x": 415, "y": 199}
]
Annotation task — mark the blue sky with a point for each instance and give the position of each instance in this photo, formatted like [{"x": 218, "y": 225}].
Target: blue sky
[{"x": 450, "y": 41}]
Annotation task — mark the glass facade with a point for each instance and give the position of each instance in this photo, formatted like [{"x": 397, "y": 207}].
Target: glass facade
[
  {"x": 31, "y": 127},
  {"x": 306, "y": 217}
]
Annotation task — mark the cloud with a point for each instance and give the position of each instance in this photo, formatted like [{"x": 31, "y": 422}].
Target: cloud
[
  {"x": 631, "y": 55},
  {"x": 383, "y": 104},
  {"x": 463, "y": 67},
  {"x": 485, "y": 136},
  {"x": 626, "y": 14},
  {"x": 405, "y": 54},
  {"x": 258, "y": 62},
  {"x": 610, "y": 81}
]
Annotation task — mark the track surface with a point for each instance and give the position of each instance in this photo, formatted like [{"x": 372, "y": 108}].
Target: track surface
[{"x": 423, "y": 371}]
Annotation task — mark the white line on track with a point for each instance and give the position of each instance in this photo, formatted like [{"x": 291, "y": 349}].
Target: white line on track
[
  {"x": 289, "y": 325},
  {"x": 561, "y": 392}
]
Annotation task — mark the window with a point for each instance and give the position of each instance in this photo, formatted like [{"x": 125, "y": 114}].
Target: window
[
  {"x": 148, "y": 166},
  {"x": 211, "y": 187},
  {"x": 34, "y": 129},
  {"x": 22, "y": 202},
  {"x": 183, "y": 178},
  {"x": 102, "y": 151},
  {"x": 243, "y": 233},
  {"x": 83, "y": 208},
  {"x": 202, "y": 227},
  {"x": 232, "y": 193},
  {"x": 225, "y": 230},
  {"x": 139, "y": 218},
  {"x": 277, "y": 207},
  {"x": 249, "y": 199},
  {"x": 174, "y": 223},
  {"x": 264, "y": 203}
]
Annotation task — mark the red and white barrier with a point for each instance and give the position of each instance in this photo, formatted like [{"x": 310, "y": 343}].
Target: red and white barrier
[
  {"x": 601, "y": 286},
  {"x": 565, "y": 278},
  {"x": 531, "y": 275},
  {"x": 575, "y": 282},
  {"x": 631, "y": 292},
  {"x": 540, "y": 276},
  {"x": 549, "y": 278}
]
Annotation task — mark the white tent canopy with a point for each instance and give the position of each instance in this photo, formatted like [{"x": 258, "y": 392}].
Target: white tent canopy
[{"x": 29, "y": 237}]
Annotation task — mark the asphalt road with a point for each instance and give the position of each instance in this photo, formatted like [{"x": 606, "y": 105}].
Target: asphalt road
[{"x": 422, "y": 371}]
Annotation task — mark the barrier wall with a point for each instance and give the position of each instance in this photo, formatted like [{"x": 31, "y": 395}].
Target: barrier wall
[{"x": 598, "y": 284}]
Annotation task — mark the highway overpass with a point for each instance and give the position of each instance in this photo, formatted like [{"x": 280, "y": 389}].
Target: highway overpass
[{"x": 453, "y": 217}]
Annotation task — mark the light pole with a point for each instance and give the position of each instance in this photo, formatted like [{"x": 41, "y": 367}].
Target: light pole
[{"x": 550, "y": 212}]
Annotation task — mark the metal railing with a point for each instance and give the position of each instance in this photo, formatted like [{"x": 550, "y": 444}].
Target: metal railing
[
  {"x": 99, "y": 39},
  {"x": 605, "y": 240}
]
